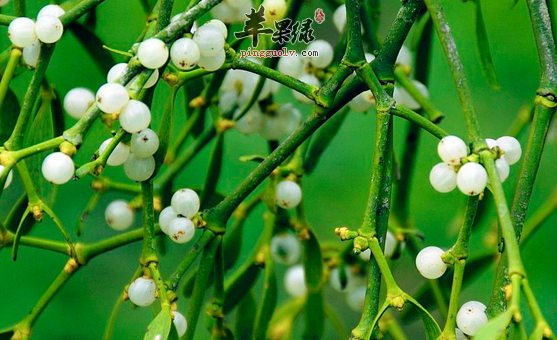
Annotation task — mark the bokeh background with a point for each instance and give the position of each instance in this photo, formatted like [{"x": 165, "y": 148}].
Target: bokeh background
[{"x": 335, "y": 194}]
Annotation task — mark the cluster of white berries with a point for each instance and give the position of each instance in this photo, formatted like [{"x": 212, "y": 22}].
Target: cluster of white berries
[
  {"x": 176, "y": 220},
  {"x": 471, "y": 178},
  {"x": 354, "y": 287},
  {"x": 471, "y": 317},
  {"x": 26, "y": 33},
  {"x": 288, "y": 194},
  {"x": 141, "y": 292},
  {"x": 286, "y": 249}
]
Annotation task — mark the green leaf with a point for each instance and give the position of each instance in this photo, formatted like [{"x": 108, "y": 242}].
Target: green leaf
[
  {"x": 486, "y": 61},
  {"x": 336, "y": 321},
  {"x": 173, "y": 333},
  {"x": 14, "y": 217},
  {"x": 269, "y": 301},
  {"x": 282, "y": 322},
  {"x": 239, "y": 284},
  {"x": 431, "y": 328},
  {"x": 252, "y": 158},
  {"x": 322, "y": 140},
  {"x": 245, "y": 317},
  {"x": 315, "y": 316},
  {"x": 165, "y": 129},
  {"x": 57, "y": 114},
  {"x": 496, "y": 327},
  {"x": 313, "y": 264},
  {"x": 93, "y": 45},
  {"x": 159, "y": 328},
  {"x": 537, "y": 334},
  {"x": 9, "y": 111},
  {"x": 20, "y": 231},
  {"x": 519, "y": 332}
]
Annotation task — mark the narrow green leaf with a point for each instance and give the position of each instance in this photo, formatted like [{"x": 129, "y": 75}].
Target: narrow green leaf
[
  {"x": 322, "y": 140},
  {"x": 252, "y": 158},
  {"x": 313, "y": 264},
  {"x": 239, "y": 284},
  {"x": 9, "y": 112},
  {"x": 386, "y": 305},
  {"x": 14, "y": 217},
  {"x": 519, "y": 332},
  {"x": 93, "y": 45},
  {"x": 315, "y": 316},
  {"x": 159, "y": 328},
  {"x": 496, "y": 327},
  {"x": 282, "y": 323},
  {"x": 245, "y": 317},
  {"x": 336, "y": 321},
  {"x": 19, "y": 233},
  {"x": 431, "y": 328},
  {"x": 537, "y": 334},
  {"x": 269, "y": 301},
  {"x": 486, "y": 61}
]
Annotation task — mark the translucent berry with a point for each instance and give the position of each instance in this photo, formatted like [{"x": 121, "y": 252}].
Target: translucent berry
[
  {"x": 362, "y": 102},
  {"x": 8, "y": 178},
  {"x": 308, "y": 79},
  {"x": 77, "y": 101},
  {"x": 355, "y": 298},
  {"x": 111, "y": 98},
  {"x": 443, "y": 177},
  {"x": 181, "y": 230},
  {"x": 271, "y": 128},
  {"x": 51, "y": 10},
  {"x": 21, "y": 32},
  {"x": 180, "y": 323},
  {"x": 184, "y": 53},
  {"x": 220, "y": 25},
  {"x": 325, "y": 51},
  {"x": 430, "y": 264},
  {"x": 404, "y": 98},
  {"x": 58, "y": 168},
  {"x": 471, "y": 179},
  {"x": 139, "y": 169},
  {"x": 116, "y": 72},
  {"x": 152, "y": 80},
  {"x": 118, "y": 156},
  {"x": 4, "y": 2},
  {"x": 460, "y": 335},
  {"x": 225, "y": 12},
  {"x": 251, "y": 122},
  {"x": 404, "y": 56},
  {"x": 142, "y": 292},
  {"x": 152, "y": 53},
  {"x": 237, "y": 3},
  {"x": 288, "y": 194},
  {"x": 390, "y": 244},
  {"x": 512, "y": 148},
  {"x": 227, "y": 101},
  {"x": 135, "y": 116},
  {"x": 291, "y": 66},
  {"x": 285, "y": 249},
  {"x": 491, "y": 143},
  {"x": 274, "y": 9},
  {"x": 503, "y": 169},
  {"x": 349, "y": 283},
  {"x": 144, "y": 143},
  {"x": 49, "y": 29},
  {"x": 471, "y": 317},
  {"x": 451, "y": 149},
  {"x": 31, "y": 54},
  {"x": 295, "y": 281},
  {"x": 119, "y": 215},
  {"x": 165, "y": 217},
  {"x": 339, "y": 18},
  {"x": 289, "y": 118},
  {"x": 185, "y": 202},
  {"x": 214, "y": 62},
  {"x": 210, "y": 40}
]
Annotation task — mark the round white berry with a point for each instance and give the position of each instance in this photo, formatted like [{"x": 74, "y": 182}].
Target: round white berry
[
  {"x": 291, "y": 66},
  {"x": 362, "y": 102},
  {"x": 325, "y": 53},
  {"x": 184, "y": 53},
  {"x": 339, "y": 18},
  {"x": 237, "y": 3},
  {"x": 295, "y": 281},
  {"x": 491, "y": 143},
  {"x": 460, "y": 335},
  {"x": 31, "y": 54},
  {"x": 288, "y": 194},
  {"x": 308, "y": 79},
  {"x": 471, "y": 317},
  {"x": 181, "y": 230},
  {"x": 135, "y": 116},
  {"x": 225, "y": 13},
  {"x": 443, "y": 177},
  {"x": 512, "y": 148},
  {"x": 58, "y": 168},
  {"x": 352, "y": 281},
  {"x": 139, "y": 169},
  {"x": 271, "y": 128},
  {"x": 227, "y": 101},
  {"x": 180, "y": 323},
  {"x": 111, "y": 98},
  {"x": 4, "y": 2},
  {"x": 77, "y": 101},
  {"x": 251, "y": 122},
  {"x": 214, "y": 62},
  {"x": 451, "y": 149},
  {"x": 289, "y": 118},
  {"x": 220, "y": 25},
  {"x": 144, "y": 143},
  {"x": 119, "y": 215},
  {"x": 430, "y": 263},
  {"x": 116, "y": 72},
  {"x": 210, "y": 40},
  {"x": 404, "y": 56},
  {"x": 21, "y": 32},
  {"x": 185, "y": 202},
  {"x": 285, "y": 249},
  {"x": 142, "y": 292},
  {"x": 390, "y": 244},
  {"x": 471, "y": 179},
  {"x": 118, "y": 156},
  {"x": 51, "y": 10},
  {"x": 152, "y": 80},
  {"x": 9, "y": 177},
  {"x": 274, "y": 9},
  {"x": 49, "y": 29},
  {"x": 503, "y": 169},
  {"x": 404, "y": 98},
  {"x": 152, "y": 53},
  {"x": 355, "y": 298},
  {"x": 165, "y": 217}
]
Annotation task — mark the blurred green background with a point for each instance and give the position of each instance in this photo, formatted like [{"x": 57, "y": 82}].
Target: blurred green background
[{"x": 335, "y": 194}]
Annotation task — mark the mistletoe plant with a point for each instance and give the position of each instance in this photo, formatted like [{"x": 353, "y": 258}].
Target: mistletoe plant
[{"x": 200, "y": 56}]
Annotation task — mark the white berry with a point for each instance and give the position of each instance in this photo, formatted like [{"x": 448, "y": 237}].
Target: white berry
[
  {"x": 471, "y": 179},
  {"x": 271, "y": 128},
  {"x": 181, "y": 230},
  {"x": 144, "y": 143},
  {"x": 31, "y": 54},
  {"x": 471, "y": 317},
  {"x": 4, "y": 2},
  {"x": 227, "y": 101},
  {"x": 251, "y": 122},
  {"x": 285, "y": 249},
  {"x": 289, "y": 118},
  {"x": 139, "y": 169},
  {"x": 404, "y": 98},
  {"x": 165, "y": 217},
  {"x": 390, "y": 244},
  {"x": 180, "y": 323},
  {"x": 430, "y": 263},
  {"x": 9, "y": 177},
  {"x": 111, "y": 98},
  {"x": 325, "y": 51},
  {"x": 451, "y": 149},
  {"x": 491, "y": 143},
  {"x": 142, "y": 292},
  {"x": 135, "y": 116},
  {"x": 152, "y": 80},
  {"x": 295, "y": 281},
  {"x": 512, "y": 148},
  {"x": 339, "y": 18},
  {"x": 185, "y": 202},
  {"x": 362, "y": 102},
  {"x": 404, "y": 56},
  {"x": 152, "y": 53},
  {"x": 49, "y": 29},
  {"x": 288, "y": 194},
  {"x": 237, "y": 3},
  {"x": 460, "y": 335},
  {"x": 58, "y": 168},
  {"x": 291, "y": 66},
  {"x": 220, "y": 25},
  {"x": 184, "y": 53},
  {"x": 21, "y": 32},
  {"x": 119, "y": 215},
  {"x": 116, "y": 72},
  {"x": 352, "y": 281},
  {"x": 118, "y": 156},
  {"x": 77, "y": 101},
  {"x": 355, "y": 298},
  {"x": 274, "y": 9},
  {"x": 209, "y": 39},
  {"x": 443, "y": 177},
  {"x": 308, "y": 79},
  {"x": 51, "y": 10},
  {"x": 503, "y": 169},
  {"x": 214, "y": 62}
]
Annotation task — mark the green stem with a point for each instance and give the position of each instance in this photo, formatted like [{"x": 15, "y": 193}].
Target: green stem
[
  {"x": 7, "y": 75},
  {"x": 149, "y": 250},
  {"x": 433, "y": 114},
  {"x": 454, "y": 304},
  {"x": 376, "y": 249},
  {"x": 39, "y": 243},
  {"x": 78, "y": 10},
  {"x": 156, "y": 275},
  {"x": 6, "y": 19},
  {"x": 109, "y": 330}
]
